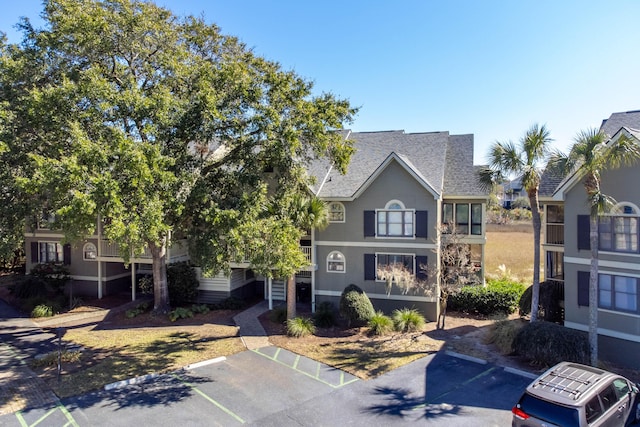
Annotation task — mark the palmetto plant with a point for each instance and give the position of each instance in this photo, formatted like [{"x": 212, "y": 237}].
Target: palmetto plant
[{"x": 526, "y": 160}]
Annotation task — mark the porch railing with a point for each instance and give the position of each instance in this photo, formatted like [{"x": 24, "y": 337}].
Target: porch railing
[{"x": 554, "y": 234}]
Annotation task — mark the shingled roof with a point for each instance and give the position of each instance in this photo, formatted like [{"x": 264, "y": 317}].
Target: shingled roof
[
  {"x": 628, "y": 119},
  {"x": 442, "y": 162}
]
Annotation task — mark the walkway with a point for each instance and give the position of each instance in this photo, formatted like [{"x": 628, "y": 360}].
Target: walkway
[{"x": 251, "y": 331}]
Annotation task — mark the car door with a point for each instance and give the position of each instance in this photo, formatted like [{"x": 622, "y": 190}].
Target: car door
[{"x": 616, "y": 403}]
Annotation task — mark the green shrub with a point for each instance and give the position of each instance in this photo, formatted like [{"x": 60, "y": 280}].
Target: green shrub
[
  {"x": 407, "y": 320},
  {"x": 182, "y": 282},
  {"x": 231, "y": 303},
  {"x": 499, "y": 296},
  {"x": 138, "y": 310},
  {"x": 42, "y": 310},
  {"x": 356, "y": 306},
  {"x": 145, "y": 283},
  {"x": 324, "y": 315},
  {"x": 380, "y": 324},
  {"x": 502, "y": 333},
  {"x": 546, "y": 343},
  {"x": 180, "y": 313},
  {"x": 550, "y": 308},
  {"x": 278, "y": 315},
  {"x": 300, "y": 327},
  {"x": 29, "y": 287},
  {"x": 55, "y": 276},
  {"x": 75, "y": 303},
  {"x": 200, "y": 308}
]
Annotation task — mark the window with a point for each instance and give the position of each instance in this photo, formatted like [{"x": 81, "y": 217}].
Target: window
[
  {"x": 555, "y": 265},
  {"x": 619, "y": 232},
  {"x": 394, "y": 220},
  {"x": 335, "y": 262},
  {"x": 89, "y": 252},
  {"x": 387, "y": 260},
  {"x": 618, "y": 293},
  {"x": 465, "y": 217},
  {"x": 336, "y": 212},
  {"x": 50, "y": 252}
]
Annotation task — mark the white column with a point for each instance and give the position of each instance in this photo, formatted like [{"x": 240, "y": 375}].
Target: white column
[
  {"x": 314, "y": 267},
  {"x": 99, "y": 279},
  {"x": 269, "y": 284},
  {"x": 133, "y": 281}
]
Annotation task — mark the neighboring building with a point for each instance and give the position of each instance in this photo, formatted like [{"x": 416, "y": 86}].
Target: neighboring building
[
  {"x": 388, "y": 208},
  {"x": 511, "y": 191},
  {"x": 567, "y": 250}
]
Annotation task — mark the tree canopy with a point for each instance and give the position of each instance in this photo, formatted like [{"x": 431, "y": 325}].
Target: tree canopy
[{"x": 161, "y": 126}]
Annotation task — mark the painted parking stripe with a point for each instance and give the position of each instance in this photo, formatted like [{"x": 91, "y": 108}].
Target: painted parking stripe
[
  {"x": 284, "y": 354},
  {"x": 65, "y": 412},
  {"x": 214, "y": 402}
]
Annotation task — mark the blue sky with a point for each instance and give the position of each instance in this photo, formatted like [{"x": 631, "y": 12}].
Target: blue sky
[{"x": 491, "y": 68}]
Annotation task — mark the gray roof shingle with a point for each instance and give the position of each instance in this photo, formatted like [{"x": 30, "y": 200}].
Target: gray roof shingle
[
  {"x": 444, "y": 162},
  {"x": 628, "y": 119}
]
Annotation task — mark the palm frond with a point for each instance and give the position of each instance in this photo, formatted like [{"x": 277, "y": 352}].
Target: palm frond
[
  {"x": 504, "y": 156},
  {"x": 489, "y": 178},
  {"x": 535, "y": 143},
  {"x": 623, "y": 152}
]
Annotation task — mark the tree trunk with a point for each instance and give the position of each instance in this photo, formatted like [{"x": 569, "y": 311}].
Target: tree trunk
[
  {"x": 593, "y": 290},
  {"x": 291, "y": 297},
  {"x": 160, "y": 288},
  {"x": 535, "y": 217},
  {"x": 443, "y": 312}
]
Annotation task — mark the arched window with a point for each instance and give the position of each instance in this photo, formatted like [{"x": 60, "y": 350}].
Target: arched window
[
  {"x": 336, "y": 262},
  {"x": 619, "y": 230},
  {"x": 394, "y": 220},
  {"x": 336, "y": 212},
  {"x": 89, "y": 252}
]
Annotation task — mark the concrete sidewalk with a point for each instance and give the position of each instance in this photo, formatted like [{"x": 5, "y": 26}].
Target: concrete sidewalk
[{"x": 251, "y": 331}]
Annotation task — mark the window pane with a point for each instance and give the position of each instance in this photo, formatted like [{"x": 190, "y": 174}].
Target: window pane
[
  {"x": 626, "y": 293},
  {"x": 447, "y": 213},
  {"x": 604, "y": 293},
  {"x": 462, "y": 218}
]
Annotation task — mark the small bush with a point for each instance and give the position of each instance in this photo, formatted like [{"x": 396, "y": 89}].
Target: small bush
[
  {"x": 30, "y": 287},
  {"x": 278, "y": 315},
  {"x": 550, "y": 308},
  {"x": 75, "y": 303},
  {"x": 356, "y": 306},
  {"x": 180, "y": 313},
  {"x": 502, "y": 333},
  {"x": 200, "y": 308},
  {"x": 182, "y": 283},
  {"x": 146, "y": 285},
  {"x": 546, "y": 343},
  {"x": 138, "y": 310},
  {"x": 380, "y": 324},
  {"x": 300, "y": 327},
  {"x": 498, "y": 297},
  {"x": 55, "y": 276},
  {"x": 51, "y": 359},
  {"x": 231, "y": 303},
  {"x": 42, "y": 310},
  {"x": 407, "y": 320},
  {"x": 324, "y": 317}
]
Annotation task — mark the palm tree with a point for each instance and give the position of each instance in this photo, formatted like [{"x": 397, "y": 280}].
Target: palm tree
[
  {"x": 505, "y": 158},
  {"x": 589, "y": 155},
  {"x": 307, "y": 213}
]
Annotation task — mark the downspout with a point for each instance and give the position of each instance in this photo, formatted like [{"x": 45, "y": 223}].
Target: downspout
[{"x": 99, "y": 257}]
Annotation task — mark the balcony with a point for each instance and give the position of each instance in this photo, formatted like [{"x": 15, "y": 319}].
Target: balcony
[
  {"x": 554, "y": 234},
  {"x": 111, "y": 251}
]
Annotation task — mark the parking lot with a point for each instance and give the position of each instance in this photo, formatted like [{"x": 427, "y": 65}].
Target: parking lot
[{"x": 272, "y": 386}]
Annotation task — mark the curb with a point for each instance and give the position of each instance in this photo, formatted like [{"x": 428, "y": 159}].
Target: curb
[
  {"x": 144, "y": 378},
  {"x": 465, "y": 357}
]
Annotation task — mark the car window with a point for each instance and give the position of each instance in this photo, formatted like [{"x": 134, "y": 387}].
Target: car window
[
  {"x": 550, "y": 412},
  {"x": 608, "y": 397},
  {"x": 592, "y": 409},
  {"x": 621, "y": 386}
]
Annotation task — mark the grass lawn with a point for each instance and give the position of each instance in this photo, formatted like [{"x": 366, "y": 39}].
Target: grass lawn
[
  {"x": 115, "y": 353},
  {"x": 511, "y": 246}
]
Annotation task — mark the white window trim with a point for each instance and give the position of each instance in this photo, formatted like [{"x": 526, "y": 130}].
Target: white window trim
[
  {"x": 618, "y": 210},
  {"x": 85, "y": 248},
  {"x": 344, "y": 213},
  {"x": 344, "y": 263},
  {"x": 377, "y": 254}
]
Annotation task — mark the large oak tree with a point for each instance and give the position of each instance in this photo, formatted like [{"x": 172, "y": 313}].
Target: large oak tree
[{"x": 161, "y": 126}]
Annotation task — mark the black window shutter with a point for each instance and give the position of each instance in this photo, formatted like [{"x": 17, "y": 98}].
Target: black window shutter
[
  {"x": 66, "y": 254},
  {"x": 421, "y": 261},
  {"x": 421, "y": 223},
  {"x": 583, "y": 288},
  {"x": 369, "y": 223},
  {"x": 369, "y": 267},
  {"x": 34, "y": 252},
  {"x": 583, "y": 232}
]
